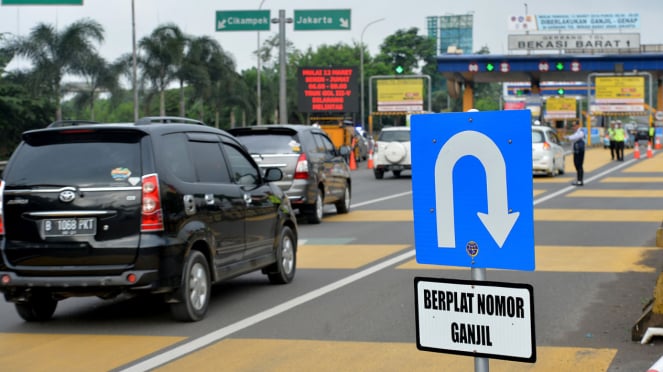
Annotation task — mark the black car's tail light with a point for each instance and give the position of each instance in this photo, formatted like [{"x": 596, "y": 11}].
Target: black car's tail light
[
  {"x": 301, "y": 169},
  {"x": 2, "y": 221},
  {"x": 152, "y": 215}
]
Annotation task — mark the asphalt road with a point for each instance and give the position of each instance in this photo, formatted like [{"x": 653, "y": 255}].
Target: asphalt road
[{"x": 351, "y": 306}]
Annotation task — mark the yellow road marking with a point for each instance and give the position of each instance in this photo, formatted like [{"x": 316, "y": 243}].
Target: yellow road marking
[
  {"x": 540, "y": 214},
  {"x": 321, "y": 356},
  {"x": 598, "y": 215},
  {"x": 538, "y": 192},
  {"x": 632, "y": 180},
  {"x": 575, "y": 259},
  {"x": 72, "y": 353},
  {"x": 558, "y": 179},
  {"x": 590, "y": 193},
  {"x": 647, "y": 165},
  {"x": 346, "y": 256}
]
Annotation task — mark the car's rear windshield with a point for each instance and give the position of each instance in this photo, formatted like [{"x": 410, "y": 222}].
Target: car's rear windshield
[
  {"x": 395, "y": 136},
  {"x": 271, "y": 144},
  {"x": 537, "y": 136},
  {"x": 90, "y": 162}
]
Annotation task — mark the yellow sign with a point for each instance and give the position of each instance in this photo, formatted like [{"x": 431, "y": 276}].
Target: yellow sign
[
  {"x": 622, "y": 89},
  {"x": 400, "y": 95},
  {"x": 560, "y": 108}
]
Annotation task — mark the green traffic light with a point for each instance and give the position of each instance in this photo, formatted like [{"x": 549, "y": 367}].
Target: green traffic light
[
  {"x": 560, "y": 91},
  {"x": 399, "y": 69},
  {"x": 559, "y": 66},
  {"x": 490, "y": 67}
]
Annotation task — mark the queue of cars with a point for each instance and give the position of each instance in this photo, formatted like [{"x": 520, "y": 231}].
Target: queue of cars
[{"x": 165, "y": 206}]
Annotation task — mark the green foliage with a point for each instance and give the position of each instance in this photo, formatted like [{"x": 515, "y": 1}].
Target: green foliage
[{"x": 19, "y": 112}]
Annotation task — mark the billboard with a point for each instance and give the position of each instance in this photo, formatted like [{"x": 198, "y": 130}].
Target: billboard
[
  {"x": 561, "y": 108},
  {"x": 574, "y": 22},
  {"x": 619, "y": 94},
  {"x": 574, "y": 41},
  {"x": 327, "y": 89},
  {"x": 400, "y": 95}
]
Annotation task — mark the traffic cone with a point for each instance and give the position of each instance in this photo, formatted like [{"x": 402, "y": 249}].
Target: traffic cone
[
  {"x": 370, "y": 159},
  {"x": 657, "y": 146},
  {"x": 353, "y": 162},
  {"x": 636, "y": 151},
  {"x": 649, "y": 152}
]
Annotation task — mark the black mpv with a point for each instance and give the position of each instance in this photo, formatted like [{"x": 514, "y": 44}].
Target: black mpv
[{"x": 164, "y": 206}]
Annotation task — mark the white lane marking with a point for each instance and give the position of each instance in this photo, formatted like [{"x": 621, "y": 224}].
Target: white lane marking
[
  {"x": 224, "y": 332},
  {"x": 380, "y": 199}
]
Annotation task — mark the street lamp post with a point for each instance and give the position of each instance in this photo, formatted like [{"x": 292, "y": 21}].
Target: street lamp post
[
  {"x": 258, "y": 91},
  {"x": 361, "y": 68}
]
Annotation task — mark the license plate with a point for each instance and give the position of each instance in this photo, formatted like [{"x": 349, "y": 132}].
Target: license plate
[{"x": 69, "y": 226}]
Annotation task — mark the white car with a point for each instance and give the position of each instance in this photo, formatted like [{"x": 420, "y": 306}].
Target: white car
[
  {"x": 547, "y": 152},
  {"x": 392, "y": 152}
]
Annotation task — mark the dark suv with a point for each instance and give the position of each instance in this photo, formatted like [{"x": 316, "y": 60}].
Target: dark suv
[
  {"x": 315, "y": 172},
  {"x": 165, "y": 206}
]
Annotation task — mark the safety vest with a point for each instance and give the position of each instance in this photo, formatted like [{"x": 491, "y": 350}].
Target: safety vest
[
  {"x": 651, "y": 131},
  {"x": 611, "y": 134},
  {"x": 619, "y": 134}
]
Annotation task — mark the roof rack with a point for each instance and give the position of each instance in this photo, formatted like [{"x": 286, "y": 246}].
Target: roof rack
[
  {"x": 167, "y": 119},
  {"x": 70, "y": 123}
]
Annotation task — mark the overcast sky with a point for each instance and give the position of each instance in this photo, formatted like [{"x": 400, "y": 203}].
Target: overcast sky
[{"x": 197, "y": 17}]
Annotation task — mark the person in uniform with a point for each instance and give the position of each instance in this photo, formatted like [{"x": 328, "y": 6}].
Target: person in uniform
[
  {"x": 651, "y": 135},
  {"x": 620, "y": 136},
  {"x": 578, "y": 140},
  {"x": 611, "y": 137}
]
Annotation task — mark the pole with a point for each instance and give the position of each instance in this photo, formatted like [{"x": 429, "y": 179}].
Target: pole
[
  {"x": 480, "y": 364},
  {"x": 258, "y": 90},
  {"x": 134, "y": 62},
  {"x": 361, "y": 64},
  {"x": 283, "y": 107}
]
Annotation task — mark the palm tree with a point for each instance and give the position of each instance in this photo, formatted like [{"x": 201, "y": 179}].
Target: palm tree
[
  {"x": 99, "y": 75},
  {"x": 54, "y": 54},
  {"x": 163, "y": 54}
]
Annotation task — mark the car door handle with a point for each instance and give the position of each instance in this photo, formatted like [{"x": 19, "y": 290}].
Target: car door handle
[{"x": 209, "y": 199}]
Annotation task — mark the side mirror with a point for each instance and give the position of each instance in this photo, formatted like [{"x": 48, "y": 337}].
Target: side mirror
[{"x": 273, "y": 174}]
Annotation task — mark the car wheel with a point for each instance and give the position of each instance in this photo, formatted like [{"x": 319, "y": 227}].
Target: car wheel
[
  {"x": 379, "y": 174},
  {"x": 397, "y": 174},
  {"x": 193, "y": 295},
  {"x": 40, "y": 307},
  {"x": 316, "y": 211},
  {"x": 283, "y": 271},
  {"x": 343, "y": 205}
]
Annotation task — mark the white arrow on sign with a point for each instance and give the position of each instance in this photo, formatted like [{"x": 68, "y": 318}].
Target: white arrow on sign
[
  {"x": 345, "y": 23},
  {"x": 498, "y": 221},
  {"x": 221, "y": 24}
]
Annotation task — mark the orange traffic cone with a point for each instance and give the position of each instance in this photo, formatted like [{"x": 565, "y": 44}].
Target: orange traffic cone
[
  {"x": 657, "y": 145},
  {"x": 636, "y": 151},
  {"x": 353, "y": 162},
  {"x": 370, "y": 159},
  {"x": 649, "y": 152}
]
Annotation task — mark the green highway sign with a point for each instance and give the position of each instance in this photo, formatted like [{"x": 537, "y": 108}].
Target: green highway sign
[
  {"x": 42, "y": 2},
  {"x": 322, "y": 19},
  {"x": 242, "y": 20}
]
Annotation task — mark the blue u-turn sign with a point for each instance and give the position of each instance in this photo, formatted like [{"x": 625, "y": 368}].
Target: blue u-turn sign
[{"x": 472, "y": 189}]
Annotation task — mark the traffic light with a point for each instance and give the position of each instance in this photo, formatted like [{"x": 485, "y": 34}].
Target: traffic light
[
  {"x": 399, "y": 69},
  {"x": 559, "y": 66},
  {"x": 490, "y": 67},
  {"x": 560, "y": 91}
]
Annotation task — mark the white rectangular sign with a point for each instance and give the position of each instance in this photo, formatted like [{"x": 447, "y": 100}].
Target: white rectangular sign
[
  {"x": 574, "y": 41},
  {"x": 475, "y": 318}
]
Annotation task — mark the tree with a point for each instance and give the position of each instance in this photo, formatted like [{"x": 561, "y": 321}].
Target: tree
[
  {"x": 99, "y": 75},
  {"x": 407, "y": 49},
  {"x": 163, "y": 52},
  {"x": 54, "y": 54}
]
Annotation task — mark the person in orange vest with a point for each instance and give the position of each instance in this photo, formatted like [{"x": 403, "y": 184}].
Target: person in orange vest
[{"x": 620, "y": 136}]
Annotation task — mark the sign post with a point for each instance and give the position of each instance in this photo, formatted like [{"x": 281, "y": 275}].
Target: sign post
[{"x": 473, "y": 207}]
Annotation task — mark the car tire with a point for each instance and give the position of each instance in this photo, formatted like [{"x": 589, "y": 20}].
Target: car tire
[
  {"x": 397, "y": 173},
  {"x": 343, "y": 205},
  {"x": 316, "y": 211},
  {"x": 40, "y": 307},
  {"x": 283, "y": 271},
  {"x": 379, "y": 174},
  {"x": 193, "y": 295}
]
